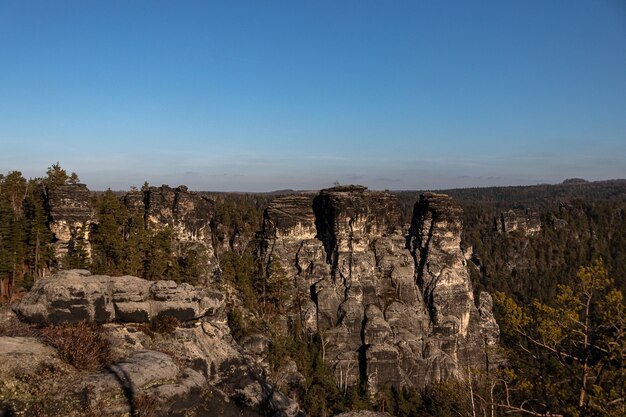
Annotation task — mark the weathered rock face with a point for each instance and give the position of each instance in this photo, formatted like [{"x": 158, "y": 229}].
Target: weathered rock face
[
  {"x": 71, "y": 216},
  {"x": 396, "y": 306},
  {"x": 144, "y": 373},
  {"x": 197, "y": 368},
  {"x": 189, "y": 214},
  {"x": 527, "y": 223},
  {"x": 76, "y": 295}
]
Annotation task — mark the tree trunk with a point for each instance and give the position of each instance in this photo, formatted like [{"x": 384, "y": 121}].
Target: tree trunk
[
  {"x": 36, "y": 274},
  {"x": 11, "y": 283},
  {"x": 586, "y": 353}
]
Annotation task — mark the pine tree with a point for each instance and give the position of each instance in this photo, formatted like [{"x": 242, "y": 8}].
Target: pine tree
[
  {"x": 108, "y": 234},
  {"x": 55, "y": 177},
  {"x": 571, "y": 355}
]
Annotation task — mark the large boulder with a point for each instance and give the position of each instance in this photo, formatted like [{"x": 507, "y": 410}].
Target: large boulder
[
  {"x": 75, "y": 295},
  {"x": 146, "y": 379}
]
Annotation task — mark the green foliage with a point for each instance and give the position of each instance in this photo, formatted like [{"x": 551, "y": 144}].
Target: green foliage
[
  {"x": 108, "y": 238},
  {"x": 236, "y": 323},
  {"x": 402, "y": 402},
  {"x": 275, "y": 289},
  {"x": 24, "y": 234},
  {"x": 240, "y": 213},
  {"x": 56, "y": 176},
  {"x": 240, "y": 271},
  {"x": 319, "y": 393},
  {"x": 570, "y": 355},
  {"x": 121, "y": 244},
  {"x": 77, "y": 255}
]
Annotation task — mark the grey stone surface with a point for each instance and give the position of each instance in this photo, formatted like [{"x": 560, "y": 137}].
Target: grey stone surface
[
  {"x": 73, "y": 296},
  {"x": 24, "y": 354},
  {"x": 395, "y": 305},
  {"x": 144, "y": 373}
]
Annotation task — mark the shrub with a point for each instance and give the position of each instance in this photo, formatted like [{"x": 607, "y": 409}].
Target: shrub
[
  {"x": 236, "y": 323},
  {"x": 85, "y": 346},
  {"x": 164, "y": 324}
]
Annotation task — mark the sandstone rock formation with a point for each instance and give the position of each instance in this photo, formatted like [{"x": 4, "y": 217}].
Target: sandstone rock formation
[
  {"x": 197, "y": 368},
  {"x": 71, "y": 217},
  {"x": 153, "y": 375},
  {"x": 21, "y": 354},
  {"x": 395, "y": 306},
  {"x": 76, "y": 295},
  {"x": 527, "y": 223},
  {"x": 188, "y": 214}
]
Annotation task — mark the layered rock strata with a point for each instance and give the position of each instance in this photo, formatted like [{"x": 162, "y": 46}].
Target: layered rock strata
[
  {"x": 394, "y": 306},
  {"x": 187, "y": 214},
  {"x": 527, "y": 223},
  {"x": 76, "y": 295},
  {"x": 71, "y": 216}
]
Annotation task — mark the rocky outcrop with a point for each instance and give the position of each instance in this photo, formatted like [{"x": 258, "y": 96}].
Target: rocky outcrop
[
  {"x": 187, "y": 213},
  {"x": 76, "y": 295},
  {"x": 527, "y": 223},
  {"x": 236, "y": 382},
  {"x": 395, "y": 306},
  {"x": 71, "y": 216},
  {"x": 195, "y": 368},
  {"x": 145, "y": 380}
]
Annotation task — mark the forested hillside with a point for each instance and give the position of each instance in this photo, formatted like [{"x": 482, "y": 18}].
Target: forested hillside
[{"x": 579, "y": 222}]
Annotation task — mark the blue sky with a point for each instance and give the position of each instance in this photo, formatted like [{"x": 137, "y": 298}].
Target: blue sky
[{"x": 264, "y": 95}]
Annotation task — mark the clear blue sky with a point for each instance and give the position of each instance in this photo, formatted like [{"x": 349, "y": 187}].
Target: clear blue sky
[{"x": 265, "y": 95}]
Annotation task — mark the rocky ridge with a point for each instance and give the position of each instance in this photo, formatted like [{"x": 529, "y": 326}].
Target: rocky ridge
[{"x": 188, "y": 214}]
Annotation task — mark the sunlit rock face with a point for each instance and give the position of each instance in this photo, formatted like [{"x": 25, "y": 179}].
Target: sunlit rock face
[
  {"x": 395, "y": 307},
  {"x": 177, "y": 370},
  {"x": 527, "y": 223},
  {"x": 71, "y": 217},
  {"x": 73, "y": 296},
  {"x": 188, "y": 214}
]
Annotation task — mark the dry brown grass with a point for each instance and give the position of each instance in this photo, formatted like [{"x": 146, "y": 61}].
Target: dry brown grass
[
  {"x": 145, "y": 405},
  {"x": 85, "y": 346}
]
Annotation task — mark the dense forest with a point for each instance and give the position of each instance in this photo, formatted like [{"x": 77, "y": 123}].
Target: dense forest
[{"x": 557, "y": 277}]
